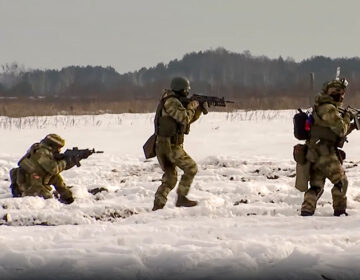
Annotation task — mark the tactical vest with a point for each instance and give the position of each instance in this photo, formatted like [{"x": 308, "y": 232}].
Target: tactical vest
[
  {"x": 167, "y": 126},
  {"x": 320, "y": 130},
  {"x": 29, "y": 162}
]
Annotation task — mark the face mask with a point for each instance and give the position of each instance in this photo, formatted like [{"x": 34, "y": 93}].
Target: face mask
[
  {"x": 182, "y": 93},
  {"x": 337, "y": 96}
]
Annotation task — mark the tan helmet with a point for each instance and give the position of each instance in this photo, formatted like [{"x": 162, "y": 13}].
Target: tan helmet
[
  {"x": 338, "y": 84},
  {"x": 54, "y": 140}
]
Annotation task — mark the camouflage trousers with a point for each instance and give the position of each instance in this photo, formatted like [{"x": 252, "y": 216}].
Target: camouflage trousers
[
  {"x": 326, "y": 165},
  {"x": 25, "y": 184},
  {"x": 171, "y": 156}
]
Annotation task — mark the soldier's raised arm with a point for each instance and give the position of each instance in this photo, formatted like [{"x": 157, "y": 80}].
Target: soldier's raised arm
[{"x": 175, "y": 109}]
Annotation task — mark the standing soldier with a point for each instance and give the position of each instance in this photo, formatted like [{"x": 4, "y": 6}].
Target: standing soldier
[
  {"x": 172, "y": 121},
  {"x": 39, "y": 168},
  {"x": 328, "y": 131}
]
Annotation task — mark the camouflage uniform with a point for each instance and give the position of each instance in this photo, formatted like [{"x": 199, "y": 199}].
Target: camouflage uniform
[
  {"x": 170, "y": 152},
  {"x": 39, "y": 169},
  {"x": 328, "y": 129}
]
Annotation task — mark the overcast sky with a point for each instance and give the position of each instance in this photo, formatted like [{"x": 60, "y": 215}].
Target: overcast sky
[{"x": 128, "y": 35}]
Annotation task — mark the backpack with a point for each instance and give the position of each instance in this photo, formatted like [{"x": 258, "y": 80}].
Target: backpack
[{"x": 302, "y": 125}]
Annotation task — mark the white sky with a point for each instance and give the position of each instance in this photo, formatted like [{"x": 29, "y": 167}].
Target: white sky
[{"x": 128, "y": 35}]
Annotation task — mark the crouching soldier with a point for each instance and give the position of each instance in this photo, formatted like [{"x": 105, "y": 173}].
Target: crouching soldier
[
  {"x": 39, "y": 168},
  {"x": 329, "y": 129},
  {"x": 174, "y": 115}
]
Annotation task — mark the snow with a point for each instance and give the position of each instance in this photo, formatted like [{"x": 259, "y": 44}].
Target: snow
[{"x": 247, "y": 223}]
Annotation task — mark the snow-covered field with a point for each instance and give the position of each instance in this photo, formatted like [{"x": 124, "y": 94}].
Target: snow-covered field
[{"x": 247, "y": 224}]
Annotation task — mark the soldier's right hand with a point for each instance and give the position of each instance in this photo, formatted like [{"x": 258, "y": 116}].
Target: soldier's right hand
[
  {"x": 193, "y": 104},
  {"x": 70, "y": 162}
]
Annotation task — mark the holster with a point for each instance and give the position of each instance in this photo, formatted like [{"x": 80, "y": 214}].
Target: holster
[
  {"x": 150, "y": 147},
  {"x": 302, "y": 176},
  {"x": 302, "y": 167},
  {"x": 299, "y": 153}
]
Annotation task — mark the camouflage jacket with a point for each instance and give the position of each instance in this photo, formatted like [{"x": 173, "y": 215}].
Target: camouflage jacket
[
  {"x": 173, "y": 119},
  {"x": 329, "y": 124},
  {"x": 40, "y": 159},
  {"x": 175, "y": 109},
  {"x": 327, "y": 110}
]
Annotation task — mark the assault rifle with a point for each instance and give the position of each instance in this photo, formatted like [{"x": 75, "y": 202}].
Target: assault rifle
[
  {"x": 76, "y": 154},
  {"x": 210, "y": 100}
]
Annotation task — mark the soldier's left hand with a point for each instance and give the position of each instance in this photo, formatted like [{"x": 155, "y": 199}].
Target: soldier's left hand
[
  {"x": 204, "y": 108},
  {"x": 193, "y": 104},
  {"x": 347, "y": 117}
]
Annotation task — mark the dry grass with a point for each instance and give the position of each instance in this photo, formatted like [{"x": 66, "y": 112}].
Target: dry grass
[
  {"x": 22, "y": 107},
  {"x": 48, "y": 107}
]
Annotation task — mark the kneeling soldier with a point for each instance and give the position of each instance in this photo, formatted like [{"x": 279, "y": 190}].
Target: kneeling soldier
[{"x": 39, "y": 168}]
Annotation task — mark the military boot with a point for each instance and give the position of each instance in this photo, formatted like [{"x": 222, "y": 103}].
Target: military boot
[
  {"x": 306, "y": 213},
  {"x": 340, "y": 212},
  {"x": 157, "y": 205},
  {"x": 183, "y": 201},
  {"x": 15, "y": 190}
]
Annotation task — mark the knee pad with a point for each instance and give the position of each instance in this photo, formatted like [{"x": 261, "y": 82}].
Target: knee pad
[
  {"x": 342, "y": 184},
  {"x": 318, "y": 191}
]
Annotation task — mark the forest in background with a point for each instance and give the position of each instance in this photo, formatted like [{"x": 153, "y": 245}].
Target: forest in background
[{"x": 253, "y": 82}]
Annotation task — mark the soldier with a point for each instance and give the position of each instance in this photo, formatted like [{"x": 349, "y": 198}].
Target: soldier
[
  {"x": 329, "y": 129},
  {"x": 172, "y": 121},
  {"x": 39, "y": 169}
]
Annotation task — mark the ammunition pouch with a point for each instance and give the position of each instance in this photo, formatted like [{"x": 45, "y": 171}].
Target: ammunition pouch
[
  {"x": 323, "y": 133},
  {"x": 299, "y": 153},
  {"x": 341, "y": 155},
  {"x": 177, "y": 139},
  {"x": 168, "y": 127}
]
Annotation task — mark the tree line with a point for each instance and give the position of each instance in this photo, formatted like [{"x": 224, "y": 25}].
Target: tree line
[{"x": 213, "y": 72}]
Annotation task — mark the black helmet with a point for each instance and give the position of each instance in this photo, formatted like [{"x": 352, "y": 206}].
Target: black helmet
[{"x": 180, "y": 85}]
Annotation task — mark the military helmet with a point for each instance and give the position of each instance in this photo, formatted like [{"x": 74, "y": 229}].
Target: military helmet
[
  {"x": 54, "y": 140},
  {"x": 179, "y": 84},
  {"x": 337, "y": 84}
]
